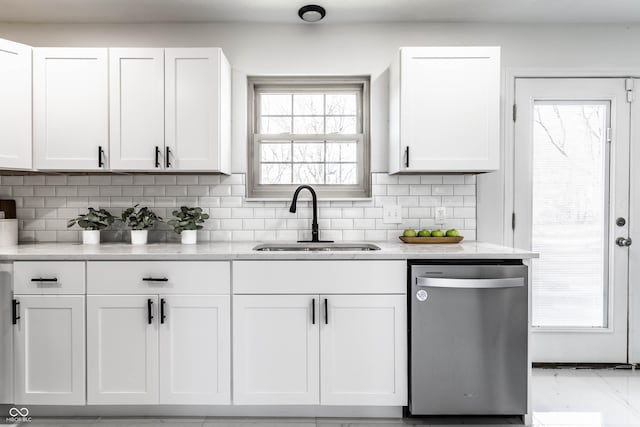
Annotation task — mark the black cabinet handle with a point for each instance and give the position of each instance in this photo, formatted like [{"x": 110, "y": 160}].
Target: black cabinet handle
[
  {"x": 149, "y": 315},
  {"x": 326, "y": 311},
  {"x": 155, "y": 279},
  {"x": 15, "y": 311},
  {"x": 167, "y": 160},
  {"x": 157, "y": 156},
  {"x": 44, "y": 279},
  {"x": 100, "y": 153},
  {"x": 313, "y": 311},
  {"x": 406, "y": 160},
  {"x": 162, "y": 315}
]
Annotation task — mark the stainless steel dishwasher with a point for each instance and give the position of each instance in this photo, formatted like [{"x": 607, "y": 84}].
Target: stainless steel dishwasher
[{"x": 468, "y": 338}]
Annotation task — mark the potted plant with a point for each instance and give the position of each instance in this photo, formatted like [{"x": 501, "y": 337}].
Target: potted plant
[
  {"x": 139, "y": 220},
  {"x": 91, "y": 223},
  {"x": 187, "y": 222}
]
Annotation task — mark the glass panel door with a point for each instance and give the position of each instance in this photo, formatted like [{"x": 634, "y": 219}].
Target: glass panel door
[
  {"x": 571, "y": 183},
  {"x": 570, "y": 200}
]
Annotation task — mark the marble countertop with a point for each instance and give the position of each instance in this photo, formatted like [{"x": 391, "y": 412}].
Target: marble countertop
[{"x": 243, "y": 250}]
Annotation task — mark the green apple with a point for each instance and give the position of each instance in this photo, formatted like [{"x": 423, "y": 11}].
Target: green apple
[
  {"x": 409, "y": 233},
  {"x": 437, "y": 233},
  {"x": 453, "y": 233},
  {"x": 424, "y": 233}
]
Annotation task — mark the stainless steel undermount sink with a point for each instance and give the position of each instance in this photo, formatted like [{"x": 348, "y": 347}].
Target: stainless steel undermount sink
[{"x": 309, "y": 246}]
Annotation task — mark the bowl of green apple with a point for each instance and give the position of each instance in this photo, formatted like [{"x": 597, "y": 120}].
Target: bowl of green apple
[{"x": 431, "y": 236}]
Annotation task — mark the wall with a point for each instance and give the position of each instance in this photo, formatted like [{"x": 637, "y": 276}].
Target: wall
[
  {"x": 45, "y": 203},
  {"x": 262, "y": 49}
]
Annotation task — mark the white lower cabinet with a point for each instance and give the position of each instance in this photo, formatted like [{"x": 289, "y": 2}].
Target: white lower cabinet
[
  {"x": 122, "y": 349},
  {"x": 49, "y": 360},
  {"x": 275, "y": 350},
  {"x": 150, "y": 349},
  {"x": 195, "y": 343},
  {"x": 320, "y": 349},
  {"x": 363, "y": 343}
]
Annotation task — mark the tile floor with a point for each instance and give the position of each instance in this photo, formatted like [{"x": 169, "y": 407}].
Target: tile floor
[{"x": 561, "y": 398}]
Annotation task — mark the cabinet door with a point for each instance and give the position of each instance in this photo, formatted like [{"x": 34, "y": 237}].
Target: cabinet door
[
  {"x": 122, "y": 349},
  {"x": 70, "y": 108},
  {"x": 363, "y": 350},
  {"x": 197, "y": 105},
  {"x": 195, "y": 349},
  {"x": 15, "y": 108},
  {"x": 136, "y": 108},
  {"x": 449, "y": 105},
  {"x": 50, "y": 351},
  {"x": 275, "y": 354}
]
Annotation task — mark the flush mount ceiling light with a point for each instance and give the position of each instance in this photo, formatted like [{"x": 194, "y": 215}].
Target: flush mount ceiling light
[{"x": 311, "y": 13}]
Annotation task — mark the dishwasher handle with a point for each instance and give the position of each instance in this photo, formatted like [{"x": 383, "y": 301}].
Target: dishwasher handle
[{"x": 439, "y": 282}]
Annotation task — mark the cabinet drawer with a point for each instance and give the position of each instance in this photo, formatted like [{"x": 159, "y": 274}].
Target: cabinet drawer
[
  {"x": 158, "y": 277},
  {"x": 48, "y": 277},
  {"x": 320, "y": 277}
]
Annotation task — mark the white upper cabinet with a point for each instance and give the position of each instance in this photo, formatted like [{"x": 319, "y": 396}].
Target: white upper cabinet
[
  {"x": 15, "y": 108},
  {"x": 136, "y": 106},
  {"x": 197, "y": 110},
  {"x": 70, "y": 108},
  {"x": 445, "y": 110}
]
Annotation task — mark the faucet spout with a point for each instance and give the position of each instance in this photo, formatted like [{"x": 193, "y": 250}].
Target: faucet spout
[{"x": 314, "y": 223}]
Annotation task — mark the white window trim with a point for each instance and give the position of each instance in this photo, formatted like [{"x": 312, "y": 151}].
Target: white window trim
[{"x": 257, "y": 191}]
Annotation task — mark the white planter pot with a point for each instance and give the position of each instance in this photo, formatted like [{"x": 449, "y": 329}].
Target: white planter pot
[
  {"x": 139, "y": 237},
  {"x": 90, "y": 237},
  {"x": 189, "y": 237},
  {"x": 8, "y": 232}
]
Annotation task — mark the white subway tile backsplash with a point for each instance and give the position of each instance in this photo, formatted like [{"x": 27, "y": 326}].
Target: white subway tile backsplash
[
  {"x": 45, "y": 203},
  {"x": 80, "y": 180},
  {"x": 12, "y": 180}
]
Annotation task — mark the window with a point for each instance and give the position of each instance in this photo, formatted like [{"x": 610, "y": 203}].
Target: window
[{"x": 309, "y": 130}]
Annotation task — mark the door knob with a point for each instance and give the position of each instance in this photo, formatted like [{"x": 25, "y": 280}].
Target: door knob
[{"x": 621, "y": 241}]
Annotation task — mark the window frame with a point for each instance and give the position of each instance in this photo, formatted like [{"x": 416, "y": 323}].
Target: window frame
[{"x": 306, "y": 84}]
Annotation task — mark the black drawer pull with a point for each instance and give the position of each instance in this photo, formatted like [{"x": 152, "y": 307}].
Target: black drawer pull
[
  {"x": 155, "y": 279},
  {"x": 167, "y": 159},
  {"x": 15, "y": 311},
  {"x": 406, "y": 152},
  {"x": 157, "y": 156},
  {"x": 149, "y": 315},
  {"x": 162, "y": 315},
  {"x": 44, "y": 279},
  {"x": 313, "y": 311}
]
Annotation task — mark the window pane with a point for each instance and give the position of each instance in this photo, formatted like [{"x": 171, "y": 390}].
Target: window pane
[
  {"x": 275, "y": 125},
  {"x": 308, "y": 104},
  {"x": 273, "y": 104},
  {"x": 348, "y": 173},
  {"x": 341, "y": 124},
  {"x": 308, "y": 153},
  {"x": 308, "y": 125},
  {"x": 569, "y": 215},
  {"x": 275, "y": 173},
  {"x": 275, "y": 152},
  {"x": 341, "y": 104},
  {"x": 342, "y": 173},
  {"x": 342, "y": 152},
  {"x": 308, "y": 173}
]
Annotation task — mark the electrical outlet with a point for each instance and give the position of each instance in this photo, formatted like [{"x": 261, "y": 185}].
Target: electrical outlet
[
  {"x": 441, "y": 215},
  {"x": 392, "y": 214}
]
